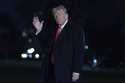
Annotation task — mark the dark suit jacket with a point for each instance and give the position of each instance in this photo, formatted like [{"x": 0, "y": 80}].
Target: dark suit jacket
[{"x": 67, "y": 51}]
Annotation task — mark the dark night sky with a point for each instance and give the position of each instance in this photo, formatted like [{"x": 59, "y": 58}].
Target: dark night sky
[
  {"x": 104, "y": 22},
  {"x": 98, "y": 12}
]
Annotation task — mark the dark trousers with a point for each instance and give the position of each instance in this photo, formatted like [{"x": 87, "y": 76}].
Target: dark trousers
[{"x": 51, "y": 77}]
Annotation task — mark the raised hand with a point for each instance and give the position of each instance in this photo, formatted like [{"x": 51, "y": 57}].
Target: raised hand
[{"x": 37, "y": 24}]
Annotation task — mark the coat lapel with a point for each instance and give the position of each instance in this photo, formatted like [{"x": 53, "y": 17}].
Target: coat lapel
[{"x": 62, "y": 33}]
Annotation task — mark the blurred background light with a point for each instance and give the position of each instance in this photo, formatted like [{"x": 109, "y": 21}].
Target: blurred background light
[
  {"x": 37, "y": 56},
  {"x": 24, "y": 55},
  {"x": 30, "y": 50}
]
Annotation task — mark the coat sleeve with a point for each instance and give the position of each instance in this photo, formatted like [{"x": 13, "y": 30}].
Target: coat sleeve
[{"x": 78, "y": 48}]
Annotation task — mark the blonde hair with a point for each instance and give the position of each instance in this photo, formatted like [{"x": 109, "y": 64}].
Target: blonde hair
[{"x": 59, "y": 8}]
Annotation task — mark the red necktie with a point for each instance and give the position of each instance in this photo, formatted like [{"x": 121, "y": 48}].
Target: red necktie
[
  {"x": 56, "y": 34},
  {"x": 58, "y": 30}
]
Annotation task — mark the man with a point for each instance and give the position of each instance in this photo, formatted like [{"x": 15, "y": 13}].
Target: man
[{"x": 66, "y": 48}]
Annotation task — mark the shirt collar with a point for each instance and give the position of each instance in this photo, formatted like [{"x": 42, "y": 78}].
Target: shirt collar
[{"x": 64, "y": 24}]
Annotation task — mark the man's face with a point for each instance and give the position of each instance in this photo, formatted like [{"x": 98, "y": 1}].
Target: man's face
[{"x": 60, "y": 16}]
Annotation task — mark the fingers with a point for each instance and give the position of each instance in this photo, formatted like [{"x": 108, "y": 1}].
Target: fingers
[
  {"x": 75, "y": 77},
  {"x": 35, "y": 19},
  {"x": 37, "y": 24},
  {"x": 41, "y": 23}
]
